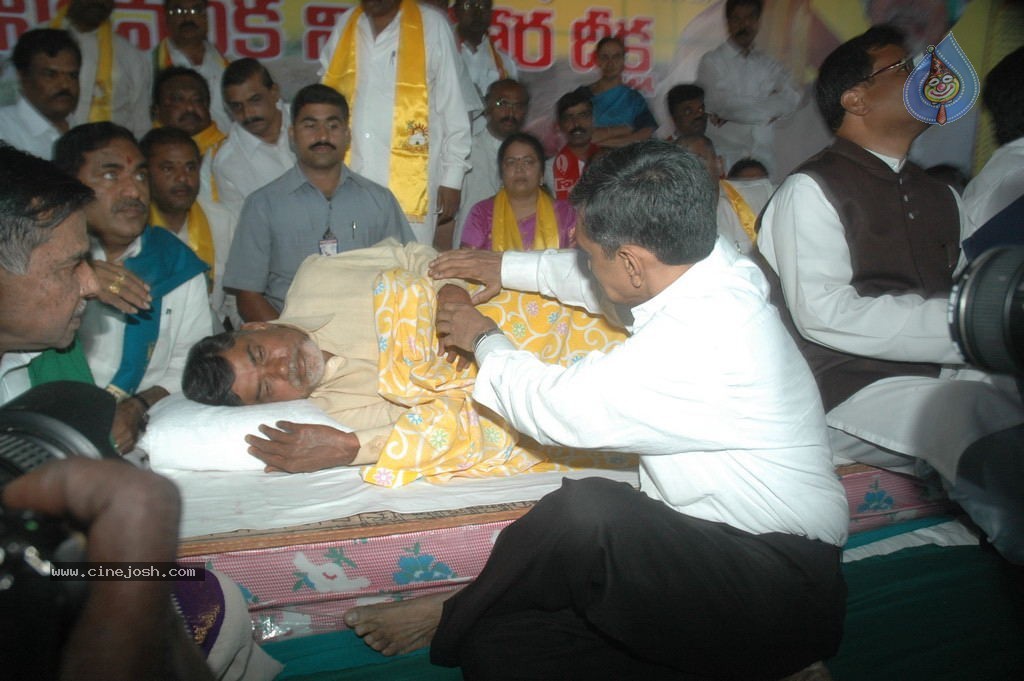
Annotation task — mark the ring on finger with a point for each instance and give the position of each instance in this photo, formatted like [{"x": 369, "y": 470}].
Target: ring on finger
[
  {"x": 115, "y": 287},
  {"x": 121, "y": 277}
]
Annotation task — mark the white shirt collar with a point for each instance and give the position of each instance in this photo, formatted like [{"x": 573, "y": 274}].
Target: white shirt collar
[
  {"x": 895, "y": 164},
  {"x": 250, "y": 143}
]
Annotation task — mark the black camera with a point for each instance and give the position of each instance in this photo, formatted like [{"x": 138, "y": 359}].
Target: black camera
[
  {"x": 52, "y": 421},
  {"x": 986, "y": 311}
]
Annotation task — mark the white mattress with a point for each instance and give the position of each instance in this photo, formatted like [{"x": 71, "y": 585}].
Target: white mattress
[{"x": 227, "y": 501}]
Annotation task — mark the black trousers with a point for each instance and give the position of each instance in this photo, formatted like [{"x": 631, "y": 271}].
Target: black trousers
[{"x": 599, "y": 581}]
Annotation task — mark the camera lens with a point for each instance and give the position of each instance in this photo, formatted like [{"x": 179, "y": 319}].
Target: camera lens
[{"x": 986, "y": 311}]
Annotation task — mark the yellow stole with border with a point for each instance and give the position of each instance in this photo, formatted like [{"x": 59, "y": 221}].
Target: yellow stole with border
[
  {"x": 200, "y": 237},
  {"x": 505, "y": 234},
  {"x": 748, "y": 219},
  {"x": 410, "y": 134},
  {"x": 102, "y": 106}
]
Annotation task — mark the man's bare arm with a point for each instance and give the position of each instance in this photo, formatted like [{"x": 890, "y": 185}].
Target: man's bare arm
[{"x": 302, "y": 447}]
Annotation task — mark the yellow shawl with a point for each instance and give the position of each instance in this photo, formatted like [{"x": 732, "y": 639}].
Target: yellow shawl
[
  {"x": 410, "y": 134},
  {"x": 200, "y": 238},
  {"x": 747, "y": 218},
  {"x": 505, "y": 234}
]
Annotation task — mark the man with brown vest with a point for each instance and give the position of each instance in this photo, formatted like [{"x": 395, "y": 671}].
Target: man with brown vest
[{"x": 865, "y": 245}]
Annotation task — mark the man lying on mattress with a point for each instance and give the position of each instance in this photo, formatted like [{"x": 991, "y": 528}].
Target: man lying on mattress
[{"x": 356, "y": 336}]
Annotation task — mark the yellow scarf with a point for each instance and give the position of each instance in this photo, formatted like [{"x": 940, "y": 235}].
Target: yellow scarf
[
  {"x": 211, "y": 136},
  {"x": 162, "y": 56},
  {"x": 410, "y": 135},
  {"x": 101, "y": 108},
  {"x": 200, "y": 238},
  {"x": 505, "y": 234},
  {"x": 747, "y": 218}
]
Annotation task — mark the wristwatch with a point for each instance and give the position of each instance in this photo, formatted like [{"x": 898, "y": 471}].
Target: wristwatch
[{"x": 494, "y": 331}]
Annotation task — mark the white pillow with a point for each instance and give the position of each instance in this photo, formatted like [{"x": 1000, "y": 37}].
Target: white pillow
[{"x": 185, "y": 435}]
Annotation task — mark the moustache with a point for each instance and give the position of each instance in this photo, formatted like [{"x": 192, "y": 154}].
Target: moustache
[
  {"x": 322, "y": 144},
  {"x": 181, "y": 189},
  {"x": 578, "y": 131},
  {"x": 63, "y": 93},
  {"x": 129, "y": 205},
  {"x": 252, "y": 121},
  {"x": 189, "y": 116}
]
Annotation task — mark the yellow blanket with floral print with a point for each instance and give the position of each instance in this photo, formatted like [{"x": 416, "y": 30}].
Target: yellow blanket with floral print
[{"x": 444, "y": 434}]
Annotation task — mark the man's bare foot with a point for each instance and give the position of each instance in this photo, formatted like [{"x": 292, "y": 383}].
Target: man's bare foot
[{"x": 400, "y": 627}]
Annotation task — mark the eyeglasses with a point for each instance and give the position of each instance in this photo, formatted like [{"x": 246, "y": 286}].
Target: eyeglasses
[
  {"x": 525, "y": 162},
  {"x": 510, "y": 104},
  {"x": 906, "y": 65},
  {"x": 186, "y": 11}
]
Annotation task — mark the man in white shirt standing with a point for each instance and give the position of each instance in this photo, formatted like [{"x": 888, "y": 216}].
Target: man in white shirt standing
[
  {"x": 410, "y": 133},
  {"x": 47, "y": 61},
  {"x": 173, "y": 160},
  {"x": 152, "y": 304},
  {"x": 257, "y": 150},
  {"x": 865, "y": 245},
  {"x": 484, "y": 62},
  {"x": 186, "y": 45},
  {"x": 745, "y": 89},
  {"x": 115, "y": 78},
  {"x": 739, "y": 515}
]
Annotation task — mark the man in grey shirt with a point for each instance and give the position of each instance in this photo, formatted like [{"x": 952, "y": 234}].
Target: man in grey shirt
[{"x": 317, "y": 207}]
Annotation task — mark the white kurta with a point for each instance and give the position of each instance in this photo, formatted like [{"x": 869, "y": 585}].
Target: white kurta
[
  {"x": 244, "y": 162},
  {"x": 709, "y": 389},
  {"x": 223, "y": 221},
  {"x": 756, "y": 193},
  {"x": 133, "y": 82},
  {"x": 999, "y": 184},
  {"x": 375, "y": 100},
  {"x": 184, "y": 320},
  {"x": 749, "y": 92},
  {"x": 23, "y": 127},
  {"x": 212, "y": 69},
  {"x": 803, "y": 240}
]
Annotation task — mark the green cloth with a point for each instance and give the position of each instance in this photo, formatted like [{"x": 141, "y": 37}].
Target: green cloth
[{"x": 61, "y": 365}]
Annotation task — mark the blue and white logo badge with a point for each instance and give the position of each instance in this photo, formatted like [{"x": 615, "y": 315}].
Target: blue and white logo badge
[{"x": 944, "y": 86}]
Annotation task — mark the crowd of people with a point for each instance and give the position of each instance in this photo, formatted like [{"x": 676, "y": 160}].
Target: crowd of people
[{"x": 169, "y": 221}]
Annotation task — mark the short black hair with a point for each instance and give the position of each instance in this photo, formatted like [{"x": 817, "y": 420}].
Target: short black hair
[
  {"x": 505, "y": 82},
  {"x": 48, "y": 41},
  {"x": 609, "y": 39},
  {"x": 317, "y": 93},
  {"x": 847, "y": 65},
  {"x": 69, "y": 151},
  {"x": 580, "y": 95},
  {"x": 208, "y": 377},
  {"x": 241, "y": 70},
  {"x": 522, "y": 138},
  {"x": 652, "y": 194},
  {"x": 684, "y": 92},
  {"x": 35, "y": 197},
  {"x": 1004, "y": 97},
  {"x": 163, "y": 136},
  {"x": 730, "y": 5},
  {"x": 175, "y": 72},
  {"x": 744, "y": 163}
]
